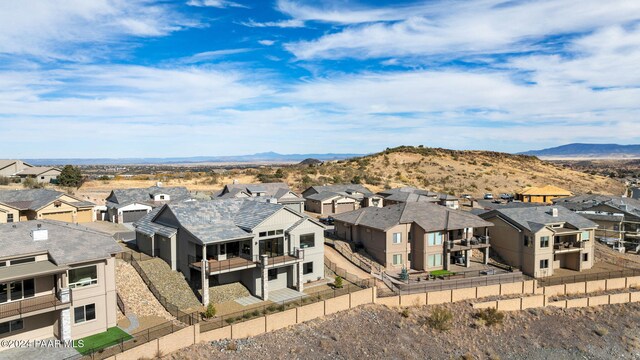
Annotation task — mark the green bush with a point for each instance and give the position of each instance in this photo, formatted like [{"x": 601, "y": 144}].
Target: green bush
[
  {"x": 440, "y": 319},
  {"x": 338, "y": 282},
  {"x": 210, "y": 312},
  {"x": 491, "y": 316}
]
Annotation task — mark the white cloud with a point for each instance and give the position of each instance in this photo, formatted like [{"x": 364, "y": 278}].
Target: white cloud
[
  {"x": 442, "y": 28},
  {"x": 292, "y": 23},
  {"x": 215, "y": 3},
  {"x": 266, "y": 42},
  {"x": 211, "y": 55}
]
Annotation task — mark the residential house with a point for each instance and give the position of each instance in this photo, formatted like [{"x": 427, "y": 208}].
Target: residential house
[
  {"x": 335, "y": 199},
  {"x": 130, "y": 205},
  {"x": 540, "y": 240},
  {"x": 56, "y": 280},
  {"x": 412, "y": 194},
  {"x": 43, "y": 204},
  {"x": 280, "y": 192},
  {"x": 263, "y": 245},
  {"x": 545, "y": 194},
  {"x": 22, "y": 170},
  {"x": 617, "y": 217},
  {"x": 415, "y": 235}
]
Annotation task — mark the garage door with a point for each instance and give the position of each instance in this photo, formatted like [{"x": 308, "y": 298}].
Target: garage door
[
  {"x": 327, "y": 208},
  {"x": 340, "y": 208},
  {"x": 66, "y": 216},
  {"x": 133, "y": 216}
]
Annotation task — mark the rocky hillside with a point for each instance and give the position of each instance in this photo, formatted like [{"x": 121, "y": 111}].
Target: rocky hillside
[{"x": 449, "y": 171}]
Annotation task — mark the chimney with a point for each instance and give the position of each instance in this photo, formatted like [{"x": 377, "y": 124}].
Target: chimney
[{"x": 554, "y": 212}]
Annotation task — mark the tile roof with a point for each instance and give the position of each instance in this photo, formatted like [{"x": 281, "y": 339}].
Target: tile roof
[
  {"x": 275, "y": 190},
  {"x": 413, "y": 194},
  {"x": 430, "y": 217},
  {"x": 123, "y": 197},
  {"x": 325, "y": 195},
  {"x": 36, "y": 170},
  {"x": 66, "y": 243},
  {"x": 33, "y": 199},
  {"x": 538, "y": 217},
  {"x": 342, "y": 188}
]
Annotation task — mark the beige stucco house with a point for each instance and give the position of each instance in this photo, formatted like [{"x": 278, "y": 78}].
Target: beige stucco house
[
  {"x": 336, "y": 199},
  {"x": 278, "y": 192},
  {"x": 43, "y": 204},
  {"x": 415, "y": 235},
  {"x": 263, "y": 245},
  {"x": 56, "y": 280},
  {"x": 541, "y": 239}
]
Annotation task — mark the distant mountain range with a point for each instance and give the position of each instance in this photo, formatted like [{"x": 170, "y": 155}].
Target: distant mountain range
[
  {"x": 588, "y": 151},
  {"x": 266, "y": 157}
]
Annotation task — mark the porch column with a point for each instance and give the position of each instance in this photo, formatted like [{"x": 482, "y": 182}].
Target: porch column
[
  {"x": 204, "y": 277},
  {"x": 300, "y": 268},
  {"x": 64, "y": 294},
  {"x": 486, "y": 256},
  {"x": 447, "y": 253},
  {"x": 265, "y": 277},
  {"x": 467, "y": 257}
]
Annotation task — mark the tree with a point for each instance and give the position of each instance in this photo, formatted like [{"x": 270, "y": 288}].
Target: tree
[
  {"x": 404, "y": 274},
  {"x": 210, "y": 312},
  {"x": 337, "y": 283},
  {"x": 70, "y": 176}
]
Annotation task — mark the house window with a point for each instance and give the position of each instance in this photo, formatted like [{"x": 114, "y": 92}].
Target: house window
[
  {"x": 527, "y": 243},
  {"x": 397, "y": 259},
  {"x": 279, "y": 232},
  {"x": 84, "y": 313},
  {"x": 161, "y": 197},
  {"x": 584, "y": 236},
  {"x": 307, "y": 268},
  {"x": 11, "y": 326},
  {"x": 84, "y": 276},
  {"x": 397, "y": 238},
  {"x": 307, "y": 241},
  {"x": 434, "y": 260},
  {"x": 585, "y": 257},
  {"x": 41, "y": 177},
  {"x": 23, "y": 261},
  {"x": 273, "y": 274},
  {"x": 544, "y": 241},
  {"x": 17, "y": 290},
  {"x": 544, "y": 264},
  {"x": 9, "y": 218},
  {"x": 263, "y": 234},
  {"x": 434, "y": 239}
]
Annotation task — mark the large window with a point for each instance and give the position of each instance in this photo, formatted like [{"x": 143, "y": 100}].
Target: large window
[
  {"x": 397, "y": 259},
  {"x": 544, "y": 241},
  {"x": 17, "y": 290},
  {"x": 273, "y": 274},
  {"x": 544, "y": 264},
  {"x": 434, "y": 239},
  {"x": 434, "y": 260},
  {"x": 9, "y": 218},
  {"x": 397, "y": 238},
  {"x": 307, "y": 241},
  {"x": 11, "y": 326},
  {"x": 84, "y": 276},
  {"x": 526, "y": 240},
  {"x": 307, "y": 268},
  {"x": 84, "y": 313},
  {"x": 584, "y": 236}
]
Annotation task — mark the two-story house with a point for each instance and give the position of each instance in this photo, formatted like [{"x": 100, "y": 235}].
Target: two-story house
[
  {"x": 278, "y": 191},
  {"x": 56, "y": 280},
  {"x": 415, "y": 235},
  {"x": 336, "y": 199},
  {"x": 125, "y": 206},
  {"x": 264, "y": 245},
  {"x": 541, "y": 239},
  {"x": 43, "y": 204}
]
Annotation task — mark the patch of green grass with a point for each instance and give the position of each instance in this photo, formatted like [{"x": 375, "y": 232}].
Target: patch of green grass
[
  {"x": 100, "y": 341},
  {"x": 441, "y": 273}
]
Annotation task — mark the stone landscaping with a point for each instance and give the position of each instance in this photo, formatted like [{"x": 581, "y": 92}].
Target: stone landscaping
[
  {"x": 135, "y": 294},
  {"x": 171, "y": 284}
]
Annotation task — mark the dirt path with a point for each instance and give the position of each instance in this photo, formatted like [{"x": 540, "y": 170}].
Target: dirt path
[{"x": 335, "y": 257}]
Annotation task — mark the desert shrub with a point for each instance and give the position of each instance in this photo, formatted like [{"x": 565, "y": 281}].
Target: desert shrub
[
  {"x": 232, "y": 346},
  {"x": 490, "y": 316},
  {"x": 338, "y": 282},
  {"x": 600, "y": 331},
  {"x": 405, "y": 313},
  {"x": 4, "y": 180},
  {"x": 440, "y": 319},
  {"x": 210, "y": 312},
  {"x": 31, "y": 183}
]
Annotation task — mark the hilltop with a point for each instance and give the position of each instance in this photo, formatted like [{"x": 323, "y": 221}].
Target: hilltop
[{"x": 444, "y": 170}]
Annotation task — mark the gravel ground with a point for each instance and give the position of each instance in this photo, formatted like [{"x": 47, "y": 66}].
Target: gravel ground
[
  {"x": 228, "y": 292},
  {"x": 605, "y": 332},
  {"x": 135, "y": 294},
  {"x": 171, "y": 284}
]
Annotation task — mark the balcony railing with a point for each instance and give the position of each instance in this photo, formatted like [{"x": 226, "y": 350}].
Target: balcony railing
[
  {"x": 285, "y": 258},
  {"x": 223, "y": 266},
  {"x": 29, "y": 305},
  {"x": 569, "y": 246},
  {"x": 475, "y": 242}
]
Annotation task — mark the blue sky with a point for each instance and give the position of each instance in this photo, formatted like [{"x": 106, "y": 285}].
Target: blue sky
[{"x": 129, "y": 78}]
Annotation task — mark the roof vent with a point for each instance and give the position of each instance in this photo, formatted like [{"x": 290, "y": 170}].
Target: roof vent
[
  {"x": 554, "y": 212},
  {"x": 159, "y": 184},
  {"x": 235, "y": 181},
  {"x": 40, "y": 234}
]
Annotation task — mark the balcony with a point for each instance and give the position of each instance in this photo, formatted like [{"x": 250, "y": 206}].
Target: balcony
[
  {"x": 225, "y": 266},
  {"x": 568, "y": 246},
  {"x": 476, "y": 242},
  {"x": 26, "y": 307},
  {"x": 284, "y": 259}
]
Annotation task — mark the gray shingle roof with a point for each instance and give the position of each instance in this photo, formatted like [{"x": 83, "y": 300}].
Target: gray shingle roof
[
  {"x": 538, "y": 217},
  {"x": 412, "y": 194},
  {"x": 66, "y": 243},
  {"x": 33, "y": 199},
  {"x": 274, "y": 190},
  {"x": 123, "y": 197},
  {"x": 584, "y": 202},
  {"x": 146, "y": 226},
  {"x": 342, "y": 188},
  {"x": 325, "y": 195},
  {"x": 430, "y": 217},
  {"x": 36, "y": 170}
]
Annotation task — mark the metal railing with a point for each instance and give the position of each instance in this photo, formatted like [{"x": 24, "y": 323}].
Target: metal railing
[
  {"x": 21, "y": 307},
  {"x": 284, "y": 258},
  {"x": 345, "y": 250},
  {"x": 217, "y": 266},
  {"x": 439, "y": 285},
  {"x": 587, "y": 277},
  {"x": 121, "y": 304},
  {"x": 348, "y": 276}
]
